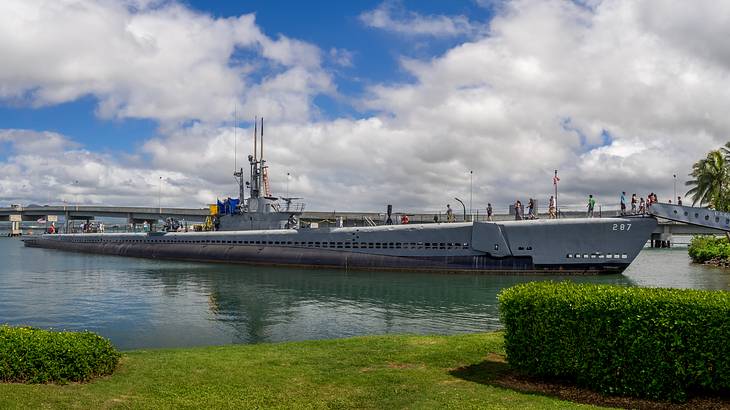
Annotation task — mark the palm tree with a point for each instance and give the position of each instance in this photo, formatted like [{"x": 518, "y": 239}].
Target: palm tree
[
  {"x": 725, "y": 149},
  {"x": 711, "y": 183}
]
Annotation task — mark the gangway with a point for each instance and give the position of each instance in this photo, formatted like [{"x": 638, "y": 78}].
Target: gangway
[{"x": 708, "y": 218}]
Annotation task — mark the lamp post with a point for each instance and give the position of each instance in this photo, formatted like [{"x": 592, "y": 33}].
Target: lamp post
[
  {"x": 76, "y": 199},
  {"x": 463, "y": 206},
  {"x": 471, "y": 190},
  {"x": 675, "y": 187},
  {"x": 159, "y": 195},
  {"x": 555, "y": 184},
  {"x": 76, "y": 195},
  {"x": 288, "y": 176}
]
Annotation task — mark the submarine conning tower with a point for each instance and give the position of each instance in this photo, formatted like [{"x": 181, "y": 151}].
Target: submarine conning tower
[{"x": 261, "y": 210}]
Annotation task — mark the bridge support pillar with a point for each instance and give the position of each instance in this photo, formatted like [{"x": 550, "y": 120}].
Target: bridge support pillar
[
  {"x": 15, "y": 229},
  {"x": 15, "y": 221},
  {"x": 662, "y": 239}
]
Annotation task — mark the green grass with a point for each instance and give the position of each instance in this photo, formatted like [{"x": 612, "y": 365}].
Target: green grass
[{"x": 381, "y": 372}]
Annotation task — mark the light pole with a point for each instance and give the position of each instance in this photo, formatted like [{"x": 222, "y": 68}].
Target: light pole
[
  {"x": 159, "y": 195},
  {"x": 675, "y": 187},
  {"x": 555, "y": 184},
  {"x": 471, "y": 190},
  {"x": 76, "y": 199},
  {"x": 76, "y": 195},
  {"x": 463, "y": 206},
  {"x": 288, "y": 176}
]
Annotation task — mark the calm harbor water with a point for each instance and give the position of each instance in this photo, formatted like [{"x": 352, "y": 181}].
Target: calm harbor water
[{"x": 141, "y": 303}]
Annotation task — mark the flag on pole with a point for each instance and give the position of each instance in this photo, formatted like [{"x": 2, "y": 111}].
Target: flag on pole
[{"x": 555, "y": 178}]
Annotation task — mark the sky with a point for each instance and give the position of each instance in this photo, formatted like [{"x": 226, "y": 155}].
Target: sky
[{"x": 366, "y": 103}]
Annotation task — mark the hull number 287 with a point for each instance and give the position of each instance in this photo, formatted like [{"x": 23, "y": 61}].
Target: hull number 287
[{"x": 621, "y": 227}]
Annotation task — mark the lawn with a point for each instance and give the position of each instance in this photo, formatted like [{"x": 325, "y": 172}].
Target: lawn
[{"x": 381, "y": 372}]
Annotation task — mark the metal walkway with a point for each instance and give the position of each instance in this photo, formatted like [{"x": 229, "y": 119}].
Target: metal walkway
[{"x": 708, "y": 218}]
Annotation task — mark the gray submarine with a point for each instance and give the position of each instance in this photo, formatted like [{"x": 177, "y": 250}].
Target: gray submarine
[{"x": 265, "y": 230}]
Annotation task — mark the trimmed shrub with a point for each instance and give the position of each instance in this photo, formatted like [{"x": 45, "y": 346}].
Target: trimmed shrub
[
  {"x": 29, "y": 355},
  {"x": 655, "y": 343},
  {"x": 703, "y": 248}
]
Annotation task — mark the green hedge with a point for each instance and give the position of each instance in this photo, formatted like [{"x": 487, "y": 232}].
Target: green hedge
[
  {"x": 706, "y": 247},
  {"x": 29, "y": 355},
  {"x": 655, "y": 343}
]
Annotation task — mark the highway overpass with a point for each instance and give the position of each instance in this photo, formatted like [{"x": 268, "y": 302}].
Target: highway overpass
[{"x": 137, "y": 215}]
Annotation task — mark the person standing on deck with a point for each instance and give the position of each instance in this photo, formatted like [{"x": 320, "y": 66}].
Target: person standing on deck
[
  {"x": 489, "y": 211},
  {"x": 449, "y": 214},
  {"x": 551, "y": 208},
  {"x": 633, "y": 204},
  {"x": 518, "y": 210},
  {"x": 591, "y": 205},
  {"x": 623, "y": 203}
]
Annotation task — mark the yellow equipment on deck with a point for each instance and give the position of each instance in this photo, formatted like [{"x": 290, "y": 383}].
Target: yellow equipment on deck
[{"x": 208, "y": 225}]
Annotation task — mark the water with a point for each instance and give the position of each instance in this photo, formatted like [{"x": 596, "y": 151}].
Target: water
[{"x": 141, "y": 303}]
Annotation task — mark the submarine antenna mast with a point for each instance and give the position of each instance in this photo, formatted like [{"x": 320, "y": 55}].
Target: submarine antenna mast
[
  {"x": 262, "y": 139},
  {"x": 235, "y": 142},
  {"x": 254, "y": 162},
  {"x": 237, "y": 173},
  {"x": 264, "y": 168}
]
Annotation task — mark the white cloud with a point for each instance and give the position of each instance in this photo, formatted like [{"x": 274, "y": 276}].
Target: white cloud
[
  {"x": 158, "y": 60},
  {"x": 614, "y": 97},
  {"x": 391, "y": 16},
  {"x": 498, "y": 103},
  {"x": 342, "y": 57},
  {"x": 31, "y": 142},
  {"x": 46, "y": 167}
]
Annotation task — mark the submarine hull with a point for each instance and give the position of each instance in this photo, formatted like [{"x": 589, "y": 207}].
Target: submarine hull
[{"x": 606, "y": 245}]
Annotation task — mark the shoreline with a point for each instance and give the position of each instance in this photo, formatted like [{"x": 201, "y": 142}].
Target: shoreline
[{"x": 716, "y": 262}]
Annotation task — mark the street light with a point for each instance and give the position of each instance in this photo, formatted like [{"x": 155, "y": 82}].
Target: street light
[
  {"x": 555, "y": 184},
  {"x": 471, "y": 190},
  {"x": 288, "y": 176},
  {"x": 159, "y": 195},
  {"x": 463, "y": 206},
  {"x": 675, "y": 187},
  {"x": 76, "y": 195}
]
